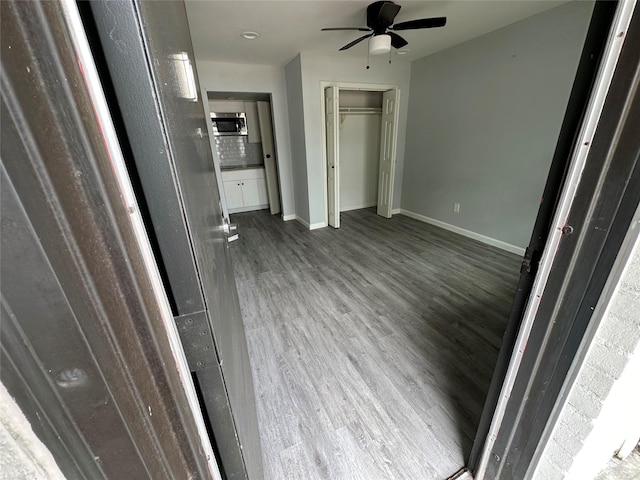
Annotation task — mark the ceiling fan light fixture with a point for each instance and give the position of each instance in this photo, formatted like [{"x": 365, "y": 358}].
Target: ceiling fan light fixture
[{"x": 380, "y": 44}]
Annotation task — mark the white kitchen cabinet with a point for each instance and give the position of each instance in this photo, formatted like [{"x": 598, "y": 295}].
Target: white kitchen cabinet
[
  {"x": 253, "y": 125},
  {"x": 233, "y": 194},
  {"x": 250, "y": 194},
  {"x": 226, "y": 106},
  {"x": 245, "y": 189}
]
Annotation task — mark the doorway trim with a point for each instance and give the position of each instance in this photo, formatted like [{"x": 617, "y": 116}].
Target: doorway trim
[
  {"x": 204, "y": 92},
  {"x": 365, "y": 87},
  {"x": 532, "y": 392}
]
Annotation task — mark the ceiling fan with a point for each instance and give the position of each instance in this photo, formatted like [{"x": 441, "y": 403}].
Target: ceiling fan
[{"x": 380, "y": 16}]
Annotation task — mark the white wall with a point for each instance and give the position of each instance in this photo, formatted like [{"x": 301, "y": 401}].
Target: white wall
[
  {"x": 23, "y": 454},
  {"x": 360, "y": 98},
  {"x": 235, "y": 77},
  {"x": 359, "y": 145},
  {"x": 317, "y": 68},
  {"x": 299, "y": 156},
  {"x": 484, "y": 118}
]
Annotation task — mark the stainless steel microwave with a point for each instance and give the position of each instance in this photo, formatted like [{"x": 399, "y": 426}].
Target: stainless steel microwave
[{"x": 229, "y": 123}]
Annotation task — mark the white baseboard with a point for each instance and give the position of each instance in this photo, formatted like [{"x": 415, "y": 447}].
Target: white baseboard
[
  {"x": 467, "y": 233},
  {"x": 303, "y": 222},
  {"x": 315, "y": 226},
  {"x": 357, "y": 207},
  {"x": 248, "y": 209},
  {"x": 286, "y": 218},
  {"x": 312, "y": 226},
  {"x": 396, "y": 211}
]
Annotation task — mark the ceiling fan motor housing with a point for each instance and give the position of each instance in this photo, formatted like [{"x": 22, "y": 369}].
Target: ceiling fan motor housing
[{"x": 380, "y": 16}]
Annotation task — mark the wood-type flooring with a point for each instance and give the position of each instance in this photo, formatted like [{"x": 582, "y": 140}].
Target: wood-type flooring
[{"x": 371, "y": 346}]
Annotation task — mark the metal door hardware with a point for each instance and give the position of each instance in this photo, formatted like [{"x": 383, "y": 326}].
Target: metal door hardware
[
  {"x": 231, "y": 230},
  {"x": 197, "y": 340}
]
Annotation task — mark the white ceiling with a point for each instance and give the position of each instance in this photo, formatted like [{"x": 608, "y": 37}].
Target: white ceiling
[{"x": 289, "y": 27}]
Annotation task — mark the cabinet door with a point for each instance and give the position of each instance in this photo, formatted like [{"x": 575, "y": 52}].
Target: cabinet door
[
  {"x": 233, "y": 194},
  {"x": 226, "y": 106},
  {"x": 250, "y": 193},
  {"x": 253, "y": 126}
]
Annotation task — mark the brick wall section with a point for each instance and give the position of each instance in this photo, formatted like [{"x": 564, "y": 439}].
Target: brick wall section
[
  {"x": 617, "y": 338},
  {"x": 236, "y": 151}
]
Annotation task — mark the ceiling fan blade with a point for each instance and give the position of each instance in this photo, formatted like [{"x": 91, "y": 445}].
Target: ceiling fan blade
[
  {"x": 388, "y": 12},
  {"x": 355, "y": 42},
  {"x": 397, "y": 41},
  {"x": 421, "y": 23},
  {"x": 359, "y": 29}
]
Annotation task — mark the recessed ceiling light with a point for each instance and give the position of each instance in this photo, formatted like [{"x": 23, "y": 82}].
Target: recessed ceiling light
[
  {"x": 403, "y": 52},
  {"x": 250, "y": 35}
]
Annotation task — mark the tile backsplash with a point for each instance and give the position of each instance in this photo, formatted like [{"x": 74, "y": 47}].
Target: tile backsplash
[{"x": 236, "y": 151}]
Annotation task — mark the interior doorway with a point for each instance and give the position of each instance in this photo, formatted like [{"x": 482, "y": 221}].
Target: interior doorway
[
  {"x": 360, "y": 132},
  {"x": 245, "y": 157}
]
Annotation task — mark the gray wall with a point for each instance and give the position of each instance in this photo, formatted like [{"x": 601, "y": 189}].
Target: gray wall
[
  {"x": 483, "y": 121},
  {"x": 293, "y": 77}
]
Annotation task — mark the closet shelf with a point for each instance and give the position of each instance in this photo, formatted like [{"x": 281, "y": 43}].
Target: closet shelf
[{"x": 360, "y": 110}]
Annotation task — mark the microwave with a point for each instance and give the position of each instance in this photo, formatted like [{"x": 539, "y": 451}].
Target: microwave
[{"x": 229, "y": 123}]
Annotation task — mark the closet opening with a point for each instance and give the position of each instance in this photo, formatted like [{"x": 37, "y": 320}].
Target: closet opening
[{"x": 360, "y": 136}]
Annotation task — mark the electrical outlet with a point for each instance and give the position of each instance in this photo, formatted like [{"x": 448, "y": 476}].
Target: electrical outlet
[{"x": 456, "y": 208}]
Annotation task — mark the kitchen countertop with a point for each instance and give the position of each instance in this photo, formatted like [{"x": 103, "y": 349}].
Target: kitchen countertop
[{"x": 233, "y": 169}]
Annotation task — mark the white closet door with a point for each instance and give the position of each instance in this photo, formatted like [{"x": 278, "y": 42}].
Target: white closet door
[
  {"x": 333, "y": 164},
  {"x": 269, "y": 153},
  {"x": 253, "y": 124},
  {"x": 387, "y": 152}
]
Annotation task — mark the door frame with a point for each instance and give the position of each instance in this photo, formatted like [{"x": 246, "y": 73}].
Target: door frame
[
  {"x": 205, "y": 90},
  {"x": 121, "y": 332},
  {"x": 366, "y": 87},
  {"x": 585, "y": 242}
]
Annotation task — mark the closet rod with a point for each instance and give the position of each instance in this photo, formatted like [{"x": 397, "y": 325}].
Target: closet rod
[{"x": 360, "y": 110}]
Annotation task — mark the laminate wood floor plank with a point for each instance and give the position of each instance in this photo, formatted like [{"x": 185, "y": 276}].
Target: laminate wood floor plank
[
  {"x": 372, "y": 346},
  {"x": 275, "y": 405},
  {"x": 415, "y": 430}
]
